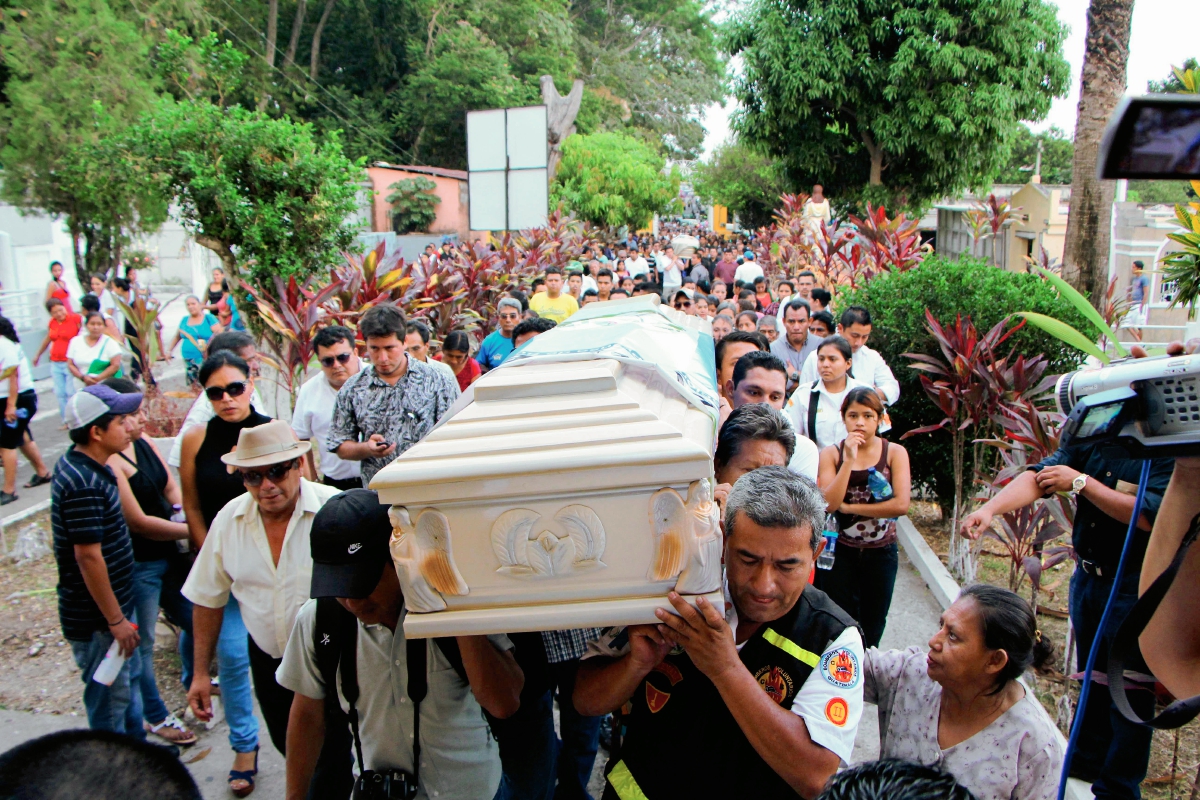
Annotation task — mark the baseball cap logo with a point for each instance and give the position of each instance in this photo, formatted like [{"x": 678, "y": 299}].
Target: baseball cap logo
[{"x": 354, "y": 548}]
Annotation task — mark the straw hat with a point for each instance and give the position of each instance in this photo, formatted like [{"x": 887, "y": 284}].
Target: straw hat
[{"x": 272, "y": 443}]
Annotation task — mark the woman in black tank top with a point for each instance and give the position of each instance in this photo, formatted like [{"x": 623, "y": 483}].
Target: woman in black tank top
[
  {"x": 866, "y": 482},
  {"x": 147, "y": 493}
]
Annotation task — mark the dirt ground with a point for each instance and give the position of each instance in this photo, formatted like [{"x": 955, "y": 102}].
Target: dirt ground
[
  {"x": 37, "y": 670},
  {"x": 1174, "y": 756}
]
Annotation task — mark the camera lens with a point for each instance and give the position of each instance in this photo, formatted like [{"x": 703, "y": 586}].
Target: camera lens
[{"x": 1064, "y": 398}]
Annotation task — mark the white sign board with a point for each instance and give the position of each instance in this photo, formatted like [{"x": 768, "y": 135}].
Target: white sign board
[{"x": 507, "y": 158}]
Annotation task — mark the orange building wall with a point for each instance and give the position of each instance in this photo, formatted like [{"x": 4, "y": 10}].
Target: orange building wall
[{"x": 452, "y": 212}]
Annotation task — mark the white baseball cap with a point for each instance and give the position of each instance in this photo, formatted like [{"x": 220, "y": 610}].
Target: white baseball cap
[{"x": 93, "y": 402}]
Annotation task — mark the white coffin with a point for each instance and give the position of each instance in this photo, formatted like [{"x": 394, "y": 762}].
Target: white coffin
[{"x": 569, "y": 488}]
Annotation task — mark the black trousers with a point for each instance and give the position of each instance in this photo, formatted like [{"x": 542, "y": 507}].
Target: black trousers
[
  {"x": 332, "y": 779},
  {"x": 342, "y": 484},
  {"x": 861, "y": 583}
]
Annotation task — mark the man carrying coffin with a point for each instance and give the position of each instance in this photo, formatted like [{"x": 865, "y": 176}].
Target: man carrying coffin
[{"x": 762, "y": 702}]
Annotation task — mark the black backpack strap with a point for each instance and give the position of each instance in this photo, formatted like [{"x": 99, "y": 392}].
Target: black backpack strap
[
  {"x": 1126, "y": 641},
  {"x": 335, "y": 640},
  {"x": 418, "y": 687},
  {"x": 813, "y": 399},
  {"x": 449, "y": 647}
]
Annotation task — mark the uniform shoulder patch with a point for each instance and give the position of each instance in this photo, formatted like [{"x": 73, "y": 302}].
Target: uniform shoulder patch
[
  {"x": 837, "y": 711},
  {"x": 775, "y": 682},
  {"x": 840, "y": 668}
]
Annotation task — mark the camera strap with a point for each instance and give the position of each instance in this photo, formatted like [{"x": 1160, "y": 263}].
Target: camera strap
[
  {"x": 1125, "y": 642},
  {"x": 813, "y": 399}
]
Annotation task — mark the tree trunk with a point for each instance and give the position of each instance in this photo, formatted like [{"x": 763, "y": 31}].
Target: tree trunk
[
  {"x": 228, "y": 260},
  {"x": 272, "y": 30},
  {"x": 1085, "y": 254},
  {"x": 876, "y": 154},
  {"x": 289, "y": 57},
  {"x": 314, "y": 62},
  {"x": 81, "y": 271}
]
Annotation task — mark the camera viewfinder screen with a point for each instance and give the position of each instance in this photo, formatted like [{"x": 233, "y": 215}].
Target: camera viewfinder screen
[
  {"x": 1165, "y": 141},
  {"x": 1098, "y": 421}
]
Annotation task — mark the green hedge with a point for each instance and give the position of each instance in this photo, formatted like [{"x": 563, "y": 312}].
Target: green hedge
[{"x": 897, "y": 302}]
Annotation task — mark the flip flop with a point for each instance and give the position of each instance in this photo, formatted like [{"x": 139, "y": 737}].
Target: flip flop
[
  {"x": 38, "y": 480},
  {"x": 246, "y": 775},
  {"x": 173, "y": 730}
]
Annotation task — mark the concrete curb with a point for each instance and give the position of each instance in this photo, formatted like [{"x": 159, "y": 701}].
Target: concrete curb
[
  {"x": 945, "y": 590},
  {"x": 36, "y": 508},
  {"x": 930, "y": 567}
]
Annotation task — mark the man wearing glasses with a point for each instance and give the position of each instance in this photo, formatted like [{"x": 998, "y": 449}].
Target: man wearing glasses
[
  {"x": 683, "y": 302},
  {"x": 257, "y": 549},
  {"x": 498, "y": 344},
  {"x": 334, "y": 346}
]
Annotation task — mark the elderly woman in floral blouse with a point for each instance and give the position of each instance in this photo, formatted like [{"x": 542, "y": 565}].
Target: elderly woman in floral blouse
[{"x": 963, "y": 706}]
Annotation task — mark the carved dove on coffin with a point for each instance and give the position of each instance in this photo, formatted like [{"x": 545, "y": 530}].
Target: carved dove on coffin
[
  {"x": 687, "y": 537},
  {"x": 424, "y": 559},
  {"x": 524, "y": 551}
]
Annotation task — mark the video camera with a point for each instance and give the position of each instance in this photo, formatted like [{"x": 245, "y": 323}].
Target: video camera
[{"x": 1148, "y": 406}]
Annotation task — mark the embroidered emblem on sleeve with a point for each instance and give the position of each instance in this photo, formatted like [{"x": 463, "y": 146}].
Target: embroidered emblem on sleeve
[
  {"x": 837, "y": 712},
  {"x": 775, "y": 682},
  {"x": 840, "y": 667}
]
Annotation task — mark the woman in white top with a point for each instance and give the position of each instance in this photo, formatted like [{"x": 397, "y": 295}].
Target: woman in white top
[
  {"x": 88, "y": 353},
  {"x": 19, "y": 401},
  {"x": 963, "y": 707},
  {"x": 833, "y": 365}
]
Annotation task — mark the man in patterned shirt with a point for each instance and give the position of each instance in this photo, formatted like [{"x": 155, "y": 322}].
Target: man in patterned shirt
[{"x": 382, "y": 411}]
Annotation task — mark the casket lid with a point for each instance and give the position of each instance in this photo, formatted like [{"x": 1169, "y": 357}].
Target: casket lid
[{"x": 546, "y": 426}]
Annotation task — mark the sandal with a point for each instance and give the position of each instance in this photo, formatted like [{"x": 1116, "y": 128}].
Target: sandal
[
  {"x": 246, "y": 775},
  {"x": 37, "y": 480},
  {"x": 173, "y": 730}
]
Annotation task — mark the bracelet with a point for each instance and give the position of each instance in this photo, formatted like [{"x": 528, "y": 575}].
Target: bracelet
[{"x": 118, "y": 622}]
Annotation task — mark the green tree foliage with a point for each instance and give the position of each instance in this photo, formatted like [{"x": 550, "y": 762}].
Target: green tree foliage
[
  {"x": 414, "y": 205},
  {"x": 890, "y": 101},
  {"x": 744, "y": 180},
  {"x": 1160, "y": 192},
  {"x": 648, "y": 64},
  {"x": 613, "y": 180},
  {"x": 1171, "y": 84},
  {"x": 1058, "y": 153},
  {"x": 77, "y": 72},
  {"x": 264, "y": 194},
  {"x": 897, "y": 302}
]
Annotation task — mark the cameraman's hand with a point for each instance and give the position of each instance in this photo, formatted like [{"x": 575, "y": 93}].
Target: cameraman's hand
[{"x": 1056, "y": 479}]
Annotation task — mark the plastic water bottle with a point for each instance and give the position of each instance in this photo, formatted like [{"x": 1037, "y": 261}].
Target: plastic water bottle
[
  {"x": 110, "y": 667},
  {"x": 826, "y": 559},
  {"x": 177, "y": 514},
  {"x": 22, "y": 413},
  {"x": 878, "y": 485}
]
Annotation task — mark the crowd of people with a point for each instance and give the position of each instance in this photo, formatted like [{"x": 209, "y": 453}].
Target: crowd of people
[{"x": 272, "y": 558}]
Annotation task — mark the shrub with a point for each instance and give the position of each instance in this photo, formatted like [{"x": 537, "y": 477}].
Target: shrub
[
  {"x": 414, "y": 204},
  {"x": 970, "y": 286}
]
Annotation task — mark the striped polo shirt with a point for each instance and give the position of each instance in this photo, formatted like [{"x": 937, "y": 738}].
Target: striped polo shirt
[{"x": 85, "y": 508}]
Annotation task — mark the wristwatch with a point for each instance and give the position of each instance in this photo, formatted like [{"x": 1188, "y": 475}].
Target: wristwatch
[{"x": 1078, "y": 484}]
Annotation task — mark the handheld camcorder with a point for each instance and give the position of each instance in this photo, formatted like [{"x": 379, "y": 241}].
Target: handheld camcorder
[{"x": 1148, "y": 406}]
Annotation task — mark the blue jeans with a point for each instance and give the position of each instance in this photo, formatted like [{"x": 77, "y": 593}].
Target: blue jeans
[
  {"x": 64, "y": 386},
  {"x": 114, "y": 708},
  {"x": 237, "y": 694},
  {"x": 149, "y": 593},
  {"x": 1113, "y": 753}
]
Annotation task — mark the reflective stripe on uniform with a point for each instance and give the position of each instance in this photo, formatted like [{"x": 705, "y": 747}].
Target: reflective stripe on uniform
[
  {"x": 623, "y": 783},
  {"x": 791, "y": 648}
]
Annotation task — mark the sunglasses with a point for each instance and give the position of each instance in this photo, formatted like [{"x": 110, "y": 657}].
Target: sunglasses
[
  {"x": 235, "y": 389},
  {"x": 341, "y": 358},
  {"x": 274, "y": 473},
  {"x": 683, "y": 304}
]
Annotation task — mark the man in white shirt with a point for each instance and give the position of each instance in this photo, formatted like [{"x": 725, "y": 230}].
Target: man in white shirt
[
  {"x": 358, "y": 610},
  {"x": 636, "y": 265},
  {"x": 258, "y": 549},
  {"x": 416, "y": 344},
  {"x": 760, "y": 377},
  {"x": 334, "y": 346},
  {"x": 240, "y": 343},
  {"x": 748, "y": 272},
  {"x": 868, "y": 366},
  {"x": 776, "y": 678}
]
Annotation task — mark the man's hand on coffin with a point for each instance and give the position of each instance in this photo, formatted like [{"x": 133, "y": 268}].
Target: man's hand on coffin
[
  {"x": 721, "y": 494},
  {"x": 703, "y": 633},
  {"x": 723, "y": 410},
  {"x": 647, "y": 647}
]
